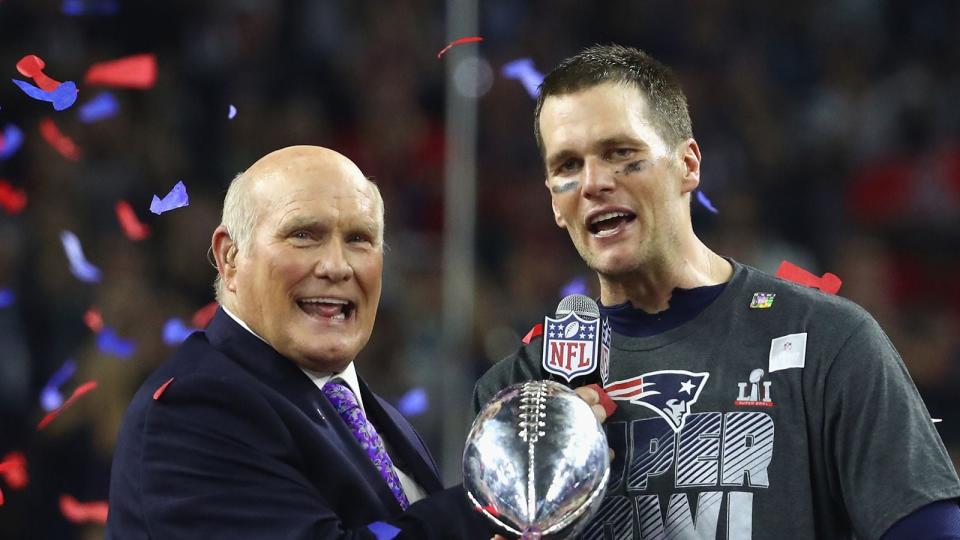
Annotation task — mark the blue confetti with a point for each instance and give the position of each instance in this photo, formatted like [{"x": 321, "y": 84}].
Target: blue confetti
[
  {"x": 75, "y": 8},
  {"x": 101, "y": 106},
  {"x": 577, "y": 285},
  {"x": 7, "y": 298},
  {"x": 231, "y": 112},
  {"x": 383, "y": 531},
  {"x": 110, "y": 343},
  {"x": 706, "y": 202},
  {"x": 50, "y": 397},
  {"x": 12, "y": 139},
  {"x": 174, "y": 332},
  {"x": 79, "y": 266},
  {"x": 414, "y": 402},
  {"x": 177, "y": 198},
  {"x": 523, "y": 71},
  {"x": 62, "y": 97}
]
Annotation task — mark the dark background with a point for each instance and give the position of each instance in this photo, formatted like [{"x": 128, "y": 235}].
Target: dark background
[{"x": 828, "y": 130}]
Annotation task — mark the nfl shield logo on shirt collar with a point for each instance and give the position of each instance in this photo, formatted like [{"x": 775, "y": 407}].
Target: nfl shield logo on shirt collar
[{"x": 570, "y": 345}]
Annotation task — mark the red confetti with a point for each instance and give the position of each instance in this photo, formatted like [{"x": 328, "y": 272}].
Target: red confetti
[
  {"x": 137, "y": 71},
  {"x": 461, "y": 41},
  {"x": 203, "y": 315},
  {"x": 78, "y": 512},
  {"x": 828, "y": 283},
  {"x": 13, "y": 468},
  {"x": 132, "y": 227},
  {"x": 493, "y": 511},
  {"x": 60, "y": 142},
  {"x": 11, "y": 199},
  {"x": 534, "y": 332},
  {"x": 81, "y": 390},
  {"x": 163, "y": 387},
  {"x": 93, "y": 319},
  {"x": 32, "y": 66}
]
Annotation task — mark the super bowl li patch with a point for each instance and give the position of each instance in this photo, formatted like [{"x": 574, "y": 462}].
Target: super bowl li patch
[
  {"x": 570, "y": 345},
  {"x": 762, "y": 300}
]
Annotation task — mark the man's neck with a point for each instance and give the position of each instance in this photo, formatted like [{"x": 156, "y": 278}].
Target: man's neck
[{"x": 650, "y": 287}]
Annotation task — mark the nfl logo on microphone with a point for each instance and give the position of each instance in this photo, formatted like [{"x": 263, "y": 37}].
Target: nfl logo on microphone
[{"x": 570, "y": 345}]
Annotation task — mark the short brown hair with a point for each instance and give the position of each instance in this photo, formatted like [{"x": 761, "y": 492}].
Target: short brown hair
[{"x": 616, "y": 63}]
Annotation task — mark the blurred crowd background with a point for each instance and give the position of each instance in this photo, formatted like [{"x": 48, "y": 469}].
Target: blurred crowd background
[{"x": 829, "y": 133}]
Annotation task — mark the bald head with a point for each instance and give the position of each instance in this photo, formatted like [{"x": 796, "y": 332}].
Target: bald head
[{"x": 255, "y": 191}]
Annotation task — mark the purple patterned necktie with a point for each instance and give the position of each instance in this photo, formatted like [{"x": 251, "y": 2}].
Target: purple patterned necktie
[{"x": 342, "y": 399}]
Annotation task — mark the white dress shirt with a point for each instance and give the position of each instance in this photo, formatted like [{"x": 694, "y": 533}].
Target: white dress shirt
[{"x": 411, "y": 488}]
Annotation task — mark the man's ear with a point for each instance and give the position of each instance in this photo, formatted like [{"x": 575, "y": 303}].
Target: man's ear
[
  {"x": 690, "y": 165},
  {"x": 556, "y": 214},
  {"x": 225, "y": 253}
]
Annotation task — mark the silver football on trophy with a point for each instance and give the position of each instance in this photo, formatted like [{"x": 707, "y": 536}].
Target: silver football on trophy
[{"x": 536, "y": 461}]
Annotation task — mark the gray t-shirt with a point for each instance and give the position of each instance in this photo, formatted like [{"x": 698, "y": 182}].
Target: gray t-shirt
[{"x": 778, "y": 412}]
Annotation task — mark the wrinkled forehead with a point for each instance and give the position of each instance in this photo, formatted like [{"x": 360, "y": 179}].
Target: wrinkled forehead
[{"x": 317, "y": 193}]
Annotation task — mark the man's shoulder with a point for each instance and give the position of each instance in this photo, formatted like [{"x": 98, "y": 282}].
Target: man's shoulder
[
  {"x": 195, "y": 366},
  {"x": 763, "y": 292}
]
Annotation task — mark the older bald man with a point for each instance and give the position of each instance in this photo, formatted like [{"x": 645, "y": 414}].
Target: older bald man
[{"x": 259, "y": 427}]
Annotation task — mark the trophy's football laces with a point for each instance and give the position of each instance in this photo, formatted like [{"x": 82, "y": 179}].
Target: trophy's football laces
[{"x": 532, "y": 415}]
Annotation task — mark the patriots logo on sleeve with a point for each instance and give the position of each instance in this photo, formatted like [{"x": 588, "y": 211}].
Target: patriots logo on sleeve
[{"x": 669, "y": 393}]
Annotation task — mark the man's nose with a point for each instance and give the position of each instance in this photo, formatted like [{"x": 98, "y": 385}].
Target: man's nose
[
  {"x": 597, "y": 178},
  {"x": 333, "y": 264}
]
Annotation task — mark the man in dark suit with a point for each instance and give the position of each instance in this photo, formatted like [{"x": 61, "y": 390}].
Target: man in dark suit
[{"x": 259, "y": 427}]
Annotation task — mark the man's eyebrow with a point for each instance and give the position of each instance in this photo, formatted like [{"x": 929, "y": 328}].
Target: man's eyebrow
[
  {"x": 559, "y": 157},
  {"x": 622, "y": 140}
]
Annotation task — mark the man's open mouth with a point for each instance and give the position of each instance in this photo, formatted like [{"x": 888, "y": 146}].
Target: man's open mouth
[
  {"x": 609, "y": 223},
  {"x": 335, "y": 309}
]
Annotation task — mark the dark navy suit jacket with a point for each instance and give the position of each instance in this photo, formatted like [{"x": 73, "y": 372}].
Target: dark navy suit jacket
[{"x": 242, "y": 444}]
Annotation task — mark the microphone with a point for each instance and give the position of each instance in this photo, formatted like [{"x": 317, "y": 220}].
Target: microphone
[{"x": 576, "y": 344}]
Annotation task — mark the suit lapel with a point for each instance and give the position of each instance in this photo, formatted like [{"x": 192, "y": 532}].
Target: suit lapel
[{"x": 403, "y": 440}]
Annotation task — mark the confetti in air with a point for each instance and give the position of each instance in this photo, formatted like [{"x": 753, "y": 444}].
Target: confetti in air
[
  {"x": 177, "y": 198},
  {"x": 93, "y": 320},
  {"x": 78, "y": 512},
  {"x": 50, "y": 397},
  {"x": 461, "y": 41},
  {"x": 13, "y": 468},
  {"x": 828, "y": 283},
  {"x": 137, "y": 71},
  {"x": 383, "y": 531},
  {"x": 52, "y": 415},
  {"x": 7, "y": 298},
  {"x": 577, "y": 285},
  {"x": 523, "y": 71},
  {"x": 75, "y": 8},
  {"x": 175, "y": 332},
  {"x": 12, "y": 139},
  {"x": 132, "y": 227},
  {"x": 110, "y": 343},
  {"x": 79, "y": 266},
  {"x": 231, "y": 112},
  {"x": 100, "y": 107},
  {"x": 414, "y": 402},
  {"x": 32, "y": 66},
  {"x": 705, "y": 202},
  {"x": 12, "y": 200},
  {"x": 936, "y": 420},
  {"x": 62, "y": 97},
  {"x": 60, "y": 142}
]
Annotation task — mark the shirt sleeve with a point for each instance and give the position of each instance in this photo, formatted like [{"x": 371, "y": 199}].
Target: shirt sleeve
[
  {"x": 882, "y": 446},
  {"x": 513, "y": 369}
]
